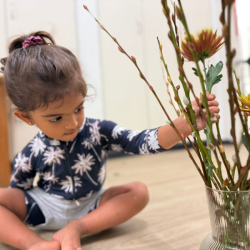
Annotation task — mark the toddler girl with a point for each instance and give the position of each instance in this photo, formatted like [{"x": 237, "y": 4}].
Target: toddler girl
[{"x": 44, "y": 81}]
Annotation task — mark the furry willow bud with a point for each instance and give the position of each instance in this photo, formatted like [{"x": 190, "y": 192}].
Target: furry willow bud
[
  {"x": 213, "y": 119},
  {"x": 133, "y": 59},
  {"x": 121, "y": 50},
  {"x": 168, "y": 122},
  {"x": 179, "y": 13},
  {"x": 185, "y": 100},
  {"x": 222, "y": 149},
  {"x": 85, "y": 7},
  {"x": 211, "y": 146},
  {"x": 234, "y": 158}
]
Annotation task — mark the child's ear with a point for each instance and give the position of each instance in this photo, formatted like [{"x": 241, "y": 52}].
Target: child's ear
[{"x": 24, "y": 117}]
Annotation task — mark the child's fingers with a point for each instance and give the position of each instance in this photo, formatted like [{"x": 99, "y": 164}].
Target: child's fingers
[
  {"x": 212, "y": 111},
  {"x": 196, "y": 110},
  {"x": 217, "y": 116},
  {"x": 213, "y": 103},
  {"x": 211, "y": 97}
]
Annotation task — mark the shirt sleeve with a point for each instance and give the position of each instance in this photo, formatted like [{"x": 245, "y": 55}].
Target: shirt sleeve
[
  {"x": 130, "y": 141},
  {"x": 24, "y": 165}
]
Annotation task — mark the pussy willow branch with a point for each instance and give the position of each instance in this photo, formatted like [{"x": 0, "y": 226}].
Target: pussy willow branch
[
  {"x": 168, "y": 91},
  {"x": 191, "y": 125},
  {"x": 184, "y": 22},
  {"x": 196, "y": 148},
  {"x": 173, "y": 40},
  {"x": 218, "y": 132},
  {"x": 205, "y": 103},
  {"x": 151, "y": 88},
  {"x": 232, "y": 100},
  {"x": 231, "y": 91}
]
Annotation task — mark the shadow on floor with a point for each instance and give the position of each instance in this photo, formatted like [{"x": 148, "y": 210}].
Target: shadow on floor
[{"x": 130, "y": 227}]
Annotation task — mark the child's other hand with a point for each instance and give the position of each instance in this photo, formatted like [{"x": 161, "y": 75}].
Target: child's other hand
[{"x": 214, "y": 110}]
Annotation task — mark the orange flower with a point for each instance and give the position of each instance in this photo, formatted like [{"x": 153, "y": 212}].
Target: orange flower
[
  {"x": 206, "y": 45},
  {"x": 245, "y": 100}
]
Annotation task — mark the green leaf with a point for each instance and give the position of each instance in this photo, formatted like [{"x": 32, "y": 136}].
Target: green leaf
[
  {"x": 245, "y": 142},
  {"x": 195, "y": 71},
  {"x": 213, "y": 76}
]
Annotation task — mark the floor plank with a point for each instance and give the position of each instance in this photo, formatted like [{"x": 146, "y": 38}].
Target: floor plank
[{"x": 176, "y": 217}]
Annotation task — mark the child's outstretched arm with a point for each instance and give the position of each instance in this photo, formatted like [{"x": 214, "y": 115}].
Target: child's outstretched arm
[{"x": 167, "y": 137}]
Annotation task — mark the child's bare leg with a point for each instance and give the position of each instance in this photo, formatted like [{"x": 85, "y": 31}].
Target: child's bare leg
[
  {"x": 117, "y": 205},
  {"x": 12, "y": 230}
]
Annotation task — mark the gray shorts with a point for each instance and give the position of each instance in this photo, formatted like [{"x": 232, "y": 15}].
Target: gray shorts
[{"x": 59, "y": 212}]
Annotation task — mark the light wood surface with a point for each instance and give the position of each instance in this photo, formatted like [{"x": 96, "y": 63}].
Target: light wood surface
[{"x": 176, "y": 217}]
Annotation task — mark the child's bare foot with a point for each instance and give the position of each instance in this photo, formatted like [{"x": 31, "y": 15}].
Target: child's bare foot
[
  {"x": 69, "y": 237},
  {"x": 45, "y": 245}
]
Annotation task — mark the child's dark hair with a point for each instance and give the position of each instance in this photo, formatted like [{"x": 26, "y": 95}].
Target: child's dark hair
[{"x": 39, "y": 74}]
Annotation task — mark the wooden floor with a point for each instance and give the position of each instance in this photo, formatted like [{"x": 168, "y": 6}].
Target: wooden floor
[{"x": 176, "y": 217}]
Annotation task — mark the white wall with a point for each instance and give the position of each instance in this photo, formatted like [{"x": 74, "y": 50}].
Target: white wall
[
  {"x": 136, "y": 24},
  {"x": 20, "y": 17},
  {"x": 121, "y": 95},
  {"x": 90, "y": 56}
]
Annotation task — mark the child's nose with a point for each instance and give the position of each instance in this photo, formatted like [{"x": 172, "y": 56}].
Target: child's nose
[{"x": 71, "y": 123}]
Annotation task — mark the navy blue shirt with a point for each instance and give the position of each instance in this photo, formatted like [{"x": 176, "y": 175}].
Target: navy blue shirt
[{"x": 77, "y": 169}]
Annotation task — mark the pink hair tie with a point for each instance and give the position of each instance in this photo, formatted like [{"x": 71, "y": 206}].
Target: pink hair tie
[{"x": 31, "y": 41}]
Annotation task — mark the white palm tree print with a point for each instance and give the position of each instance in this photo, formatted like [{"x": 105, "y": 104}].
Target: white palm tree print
[
  {"x": 104, "y": 154},
  {"x": 47, "y": 176},
  {"x": 102, "y": 174},
  {"x": 84, "y": 165},
  {"x": 132, "y": 134},
  {"x": 41, "y": 133},
  {"x": 143, "y": 150},
  {"x": 37, "y": 146},
  {"x": 95, "y": 133},
  {"x": 152, "y": 140},
  {"x": 117, "y": 130},
  {"x": 52, "y": 156},
  {"x": 88, "y": 144},
  {"x": 67, "y": 185},
  {"x": 116, "y": 147},
  {"x": 72, "y": 147},
  {"x": 26, "y": 185},
  {"x": 22, "y": 164}
]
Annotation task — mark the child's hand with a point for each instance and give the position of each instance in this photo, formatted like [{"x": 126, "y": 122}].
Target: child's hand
[
  {"x": 214, "y": 110},
  {"x": 167, "y": 136}
]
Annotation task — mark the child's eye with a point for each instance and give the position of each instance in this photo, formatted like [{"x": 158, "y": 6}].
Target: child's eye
[
  {"x": 79, "y": 109},
  {"x": 56, "y": 119}
]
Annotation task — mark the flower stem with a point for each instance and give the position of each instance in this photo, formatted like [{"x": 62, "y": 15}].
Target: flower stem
[{"x": 151, "y": 88}]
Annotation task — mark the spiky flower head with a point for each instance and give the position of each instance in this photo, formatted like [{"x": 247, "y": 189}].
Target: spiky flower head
[
  {"x": 245, "y": 104},
  {"x": 206, "y": 45}
]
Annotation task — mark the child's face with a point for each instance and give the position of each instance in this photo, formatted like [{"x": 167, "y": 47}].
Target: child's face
[{"x": 62, "y": 119}]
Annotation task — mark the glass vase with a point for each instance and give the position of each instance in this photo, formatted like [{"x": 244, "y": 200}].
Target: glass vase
[{"x": 229, "y": 216}]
